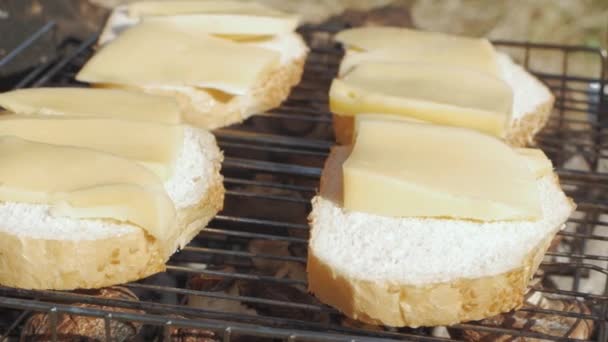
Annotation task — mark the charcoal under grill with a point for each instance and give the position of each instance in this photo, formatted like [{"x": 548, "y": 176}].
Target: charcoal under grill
[{"x": 258, "y": 243}]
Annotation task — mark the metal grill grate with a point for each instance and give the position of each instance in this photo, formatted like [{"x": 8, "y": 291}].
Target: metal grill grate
[{"x": 257, "y": 245}]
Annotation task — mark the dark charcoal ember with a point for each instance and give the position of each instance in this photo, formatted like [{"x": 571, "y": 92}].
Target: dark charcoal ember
[
  {"x": 83, "y": 328},
  {"x": 354, "y": 324},
  {"x": 211, "y": 283},
  {"x": 283, "y": 293},
  {"x": 177, "y": 334},
  {"x": 218, "y": 285},
  {"x": 554, "y": 325}
]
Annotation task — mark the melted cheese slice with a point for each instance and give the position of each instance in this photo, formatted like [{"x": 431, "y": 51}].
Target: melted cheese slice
[
  {"x": 406, "y": 45},
  {"x": 485, "y": 64},
  {"x": 435, "y": 93},
  {"x": 109, "y": 103},
  {"x": 83, "y": 183},
  {"x": 160, "y": 54},
  {"x": 536, "y": 159},
  {"x": 405, "y": 169},
  {"x": 155, "y": 146},
  {"x": 176, "y": 7}
]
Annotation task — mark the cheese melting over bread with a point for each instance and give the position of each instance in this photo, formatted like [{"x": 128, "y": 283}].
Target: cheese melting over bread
[
  {"x": 431, "y": 92},
  {"x": 406, "y": 169},
  {"x": 83, "y": 183},
  {"x": 108, "y": 103},
  {"x": 159, "y": 53},
  {"x": 391, "y": 44},
  {"x": 155, "y": 146}
]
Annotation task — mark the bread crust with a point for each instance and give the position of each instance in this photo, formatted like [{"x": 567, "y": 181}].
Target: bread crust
[
  {"x": 522, "y": 131},
  {"x": 445, "y": 303},
  {"x": 272, "y": 90},
  {"x": 344, "y": 126},
  {"x": 398, "y": 304},
  {"x": 33, "y": 263}
]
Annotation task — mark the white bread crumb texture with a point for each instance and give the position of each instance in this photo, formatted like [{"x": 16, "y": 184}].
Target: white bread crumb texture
[
  {"x": 528, "y": 92},
  {"x": 424, "y": 250}
]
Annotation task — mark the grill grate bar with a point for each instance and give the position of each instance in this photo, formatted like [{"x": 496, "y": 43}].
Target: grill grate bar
[
  {"x": 293, "y": 116},
  {"x": 253, "y": 235},
  {"x": 309, "y": 112},
  {"x": 33, "y": 74},
  {"x": 244, "y": 299},
  {"x": 14, "y": 325},
  {"x": 244, "y": 254},
  {"x": 213, "y": 325},
  {"x": 269, "y": 149},
  {"x": 228, "y": 180},
  {"x": 29, "y": 41},
  {"x": 191, "y": 310},
  {"x": 579, "y": 256},
  {"x": 575, "y": 79},
  {"x": 268, "y": 197},
  {"x": 273, "y": 139},
  {"x": 584, "y": 236},
  {"x": 243, "y": 276},
  {"x": 574, "y": 294},
  {"x": 268, "y": 223},
  {"x": 64, "y": 61},
  {"x": 257, "y": 165},
  {"x": 514, "y": 332}
]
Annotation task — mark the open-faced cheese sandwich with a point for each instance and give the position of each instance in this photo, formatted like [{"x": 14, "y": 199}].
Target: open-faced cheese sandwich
[
  {"x": 419, "y": 224},
  {"x": 222, "y": 60},
  {"x": 449, "y": 80},
  {"x": 99, "y": 187}
]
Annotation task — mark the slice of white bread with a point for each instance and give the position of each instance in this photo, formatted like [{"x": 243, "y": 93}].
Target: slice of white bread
[
  {"x": 423, "y": 272},
  {"x": 41, "y": 251},
  {"x": 211, "y": 109},
  {"x": 532, "y": 104}
]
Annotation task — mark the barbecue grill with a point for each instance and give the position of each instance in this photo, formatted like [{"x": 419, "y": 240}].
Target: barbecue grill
[{"x": 242, "y": 278}]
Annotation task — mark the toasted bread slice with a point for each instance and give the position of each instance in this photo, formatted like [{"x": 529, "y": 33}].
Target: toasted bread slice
[
  {"x": 212, "y": 109},
  {"x": 41, "y": 251},
  {"x": 422, "y": 271}
]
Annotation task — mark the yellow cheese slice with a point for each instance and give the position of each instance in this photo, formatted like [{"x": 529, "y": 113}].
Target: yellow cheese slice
[
  {"x": 537, "y": 160},
  {"x": 405, "y": 169},
  {"x": 159, "y": 54},
  {"x": 231, "y": 25},
  {"x": 381, "y": 117},
  {"x": 434, "y": 93},
  {"x": 482, "y": 63},
  {"x": 111, "y": 103},
  {"x": 415, "y": 45},
  {"x": 83, "y": 183},
  {"x": 176, "y": 7},
  {"x": 155, "y": 146}
]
